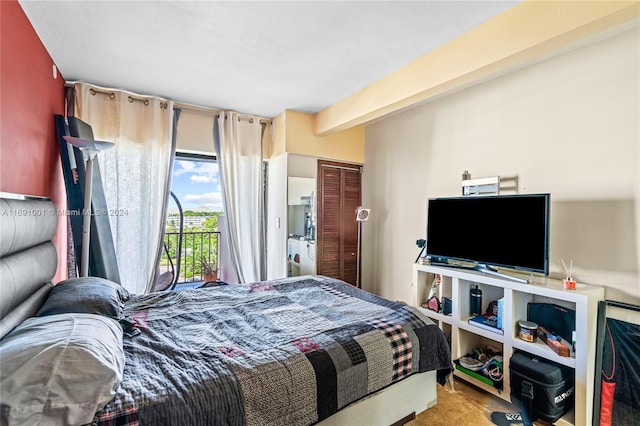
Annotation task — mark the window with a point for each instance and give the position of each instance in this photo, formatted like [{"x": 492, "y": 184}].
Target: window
[
  {"x": 196, "y": 185},
  {"x": 196, "y": 182}
]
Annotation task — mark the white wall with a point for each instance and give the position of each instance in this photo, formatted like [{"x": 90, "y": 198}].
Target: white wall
[
  {"x": 277, "y": 217},
  {"x": 568, "y": 125}
]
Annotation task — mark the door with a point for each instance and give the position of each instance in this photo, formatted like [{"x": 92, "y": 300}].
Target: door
[{"x": 339, "y": 195}]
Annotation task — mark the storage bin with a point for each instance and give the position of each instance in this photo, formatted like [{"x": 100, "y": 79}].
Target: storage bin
[{"x": 543, "y": 387}]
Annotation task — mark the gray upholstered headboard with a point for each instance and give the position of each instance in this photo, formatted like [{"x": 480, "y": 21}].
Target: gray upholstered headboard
[{"x": 28, "y": 258}]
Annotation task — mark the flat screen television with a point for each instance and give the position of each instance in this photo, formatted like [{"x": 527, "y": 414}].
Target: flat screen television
[{"x": 509, "y": 231}]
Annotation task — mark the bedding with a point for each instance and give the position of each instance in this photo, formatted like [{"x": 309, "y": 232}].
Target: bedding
[
  {"x": 60, "y": 369},
  {"x": 286, "y": 352},
  {"x": 89, "y": 295}
]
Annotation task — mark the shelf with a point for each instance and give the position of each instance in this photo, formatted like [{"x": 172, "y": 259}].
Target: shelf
[
  {"x": 542, "y": 286},
  {"x": 436, "y": 315},
  {"x": 568, "y": 419},
  {"x": 464, "y": 325},
  {"x": 477, "y": 376},
  {"x": 540, "y": 348},
  {"x": 457, "y": 283}
]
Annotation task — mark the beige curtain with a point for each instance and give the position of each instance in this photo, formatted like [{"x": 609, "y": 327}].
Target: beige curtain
[
  {"x": 238, "y": 145},
  {"x": 134, "y": 174}
]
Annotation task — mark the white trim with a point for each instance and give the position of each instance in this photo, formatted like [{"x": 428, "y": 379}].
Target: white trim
[{"x": 413, "y": 394}]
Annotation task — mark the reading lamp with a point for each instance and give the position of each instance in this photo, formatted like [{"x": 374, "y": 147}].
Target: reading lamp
[
  {"x": 361, "y": 216},
  {"x": 90, "y": 148}
]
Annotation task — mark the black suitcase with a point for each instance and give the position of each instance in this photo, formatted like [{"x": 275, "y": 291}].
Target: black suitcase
[{"x": 544, "y": 388}]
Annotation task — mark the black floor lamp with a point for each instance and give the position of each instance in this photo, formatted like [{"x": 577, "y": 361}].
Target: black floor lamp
[
  {"x": 90, "y": 148},
  {"x": 361, "y": 216}
]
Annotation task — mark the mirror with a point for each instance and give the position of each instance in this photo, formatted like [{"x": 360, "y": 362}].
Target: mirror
[{"x": 301, "y": 226}]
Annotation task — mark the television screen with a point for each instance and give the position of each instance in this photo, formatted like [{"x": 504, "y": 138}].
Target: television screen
[{"x": 510, "y": 231}]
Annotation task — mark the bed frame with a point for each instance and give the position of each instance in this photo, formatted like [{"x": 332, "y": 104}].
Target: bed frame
[
  {"x": 28, "y": 262},
  {"x": 401, "y": 401},
  {"x": 28, "y": 258}
]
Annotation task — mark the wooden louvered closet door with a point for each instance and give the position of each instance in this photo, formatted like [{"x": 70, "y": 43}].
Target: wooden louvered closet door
[{"x": 339, "y": 195}]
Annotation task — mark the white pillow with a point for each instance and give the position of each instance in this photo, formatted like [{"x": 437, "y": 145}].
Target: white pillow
[{"x": 60, "y": 369}]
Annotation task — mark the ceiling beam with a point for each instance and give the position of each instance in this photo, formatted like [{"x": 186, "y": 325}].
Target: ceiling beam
[{"x": 526, "y": 33}]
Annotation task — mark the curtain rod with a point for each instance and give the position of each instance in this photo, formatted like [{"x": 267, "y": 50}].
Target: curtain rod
[
  {"x": 131, "y": 98},
  {"x": 181, "y": 105},
  {"x": 248, "y": 118},
  {"x": 216, "y": 112},
  {"x": 112, "y": 95}
]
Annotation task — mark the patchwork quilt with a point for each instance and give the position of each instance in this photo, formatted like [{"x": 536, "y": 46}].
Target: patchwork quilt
[{"x": 286, "y": 352}]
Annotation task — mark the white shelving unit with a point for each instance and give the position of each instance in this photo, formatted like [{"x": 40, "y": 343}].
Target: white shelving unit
[{"x": 456, "y": 284}]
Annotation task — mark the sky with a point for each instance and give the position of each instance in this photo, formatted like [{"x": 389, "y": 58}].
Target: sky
[{"x": 196, "y": 184}]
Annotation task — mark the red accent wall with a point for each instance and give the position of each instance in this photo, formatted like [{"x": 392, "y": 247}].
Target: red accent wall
[{"x": 29, "y": 98}]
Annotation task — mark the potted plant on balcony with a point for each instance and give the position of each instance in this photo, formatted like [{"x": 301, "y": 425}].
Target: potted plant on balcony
[{"x": 209, "y": 270}]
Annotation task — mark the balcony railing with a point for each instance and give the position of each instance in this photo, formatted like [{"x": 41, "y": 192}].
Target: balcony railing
[{"x": 197, "y": 247}]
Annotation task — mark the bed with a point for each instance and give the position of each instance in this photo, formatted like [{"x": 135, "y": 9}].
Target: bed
[{"x": 293, "y": 351}]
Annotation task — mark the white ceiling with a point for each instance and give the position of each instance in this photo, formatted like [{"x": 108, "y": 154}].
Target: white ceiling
[{"x": 253, "y": 57}]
